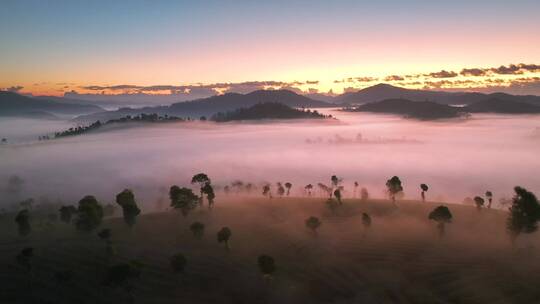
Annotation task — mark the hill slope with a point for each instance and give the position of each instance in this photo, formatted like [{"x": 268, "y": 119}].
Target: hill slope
[
  {"x": 13, "y": 104},
  {"x": 267, "y": 110},
  {"x": 411, "y": 109},
  {"x": 503, "y": 106}
]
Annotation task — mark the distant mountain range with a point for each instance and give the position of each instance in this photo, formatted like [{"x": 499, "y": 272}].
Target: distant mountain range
[
  {"x": 385, "y": 91},
  {"x": 212, "y": 105},
  {"x": 16, "y": 105},
  {"x": 431, "y": 110}
]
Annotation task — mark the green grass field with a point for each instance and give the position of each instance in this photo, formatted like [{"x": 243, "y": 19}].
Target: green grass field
[{"x": 399, "y": 259}]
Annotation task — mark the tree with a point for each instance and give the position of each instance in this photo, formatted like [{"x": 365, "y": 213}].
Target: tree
[
  {"x": 355, "y": 191},
  {"x": 280, "y": 189},
  {"x": 524, "y": 213},
  {"x": 183, "y": 199},
  {"x": 337, "y": 194},
  {"x": 126, "y": 200},
  {"x": 441, "y": 215},
  {"x": 66, "y": 213},
  {"x": 24, "y": 258},
  {"x": 266, "y": 191},
  {"x": 479, "y": 202},
  {"x": 197, "y": 228},
  {"x": 227, "y": 190},
  {"x": 335, "y": 181},
  {"x": 364, "y": 195},
  {"x": 210, "y": 195},
  {"x": 201, "y": 179},
  {"x": 266, "y": 265},
  {"x": 178, "y": 263},
  {"x": 424, "y": 189},
  {"x": 308, "y": 189},
  {"x": 325, "y": 188},
  {"x": 23, "y": 222},
  {"x": 90, "y": 214},
  {"x": 122, "y": 274},
  {"x": 288, "y": 186},
  {"x": 366, "y": 220},
  {"x": 224, "y": 235},
  {"x": 489, "y": 196},
  {"x": 313, "y": 223},
  {"x": 394, "y": 187},
  {"x": 105, "y": 235}
]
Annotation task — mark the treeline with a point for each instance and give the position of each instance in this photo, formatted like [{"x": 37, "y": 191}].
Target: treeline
[{"x": 267, "y": 110}]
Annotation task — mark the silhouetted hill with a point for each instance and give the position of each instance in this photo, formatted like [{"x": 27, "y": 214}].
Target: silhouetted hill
[
  {"x": 13, "y": 104},
  {"x": 212, "y": 105},
  {"x": 411, "y": 109},
  {"x": 268, "y": 110},
  {"x": 497, "y": 105},
  {"x": 385, "y": 91}
]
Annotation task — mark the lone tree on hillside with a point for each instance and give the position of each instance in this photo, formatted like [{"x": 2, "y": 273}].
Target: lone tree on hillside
[
  {"x": 364, "y": 195},
  {"x": 178, "y": 263},
  {"x": 126, "y": 200},
  {"x": 266, "y": 265},
  {"x": 355, "y": 191},
  {"x": 197, "y": 228},
  {"x": 89, "y": 214},
  {"x": 266, "y": 191},
  {"x": 201, "y": 179},
  {"x": 366, "y": 220},
  {"x": 489, "y": 196},
  {"x": 210, "y": 195},
  {"x": 66, "y": 213},
  {"x": 313, "y": 223},
  {"x": 524, "y": 213},
  {"x": 183, "y": 199},
  {"x": 288, "y": 186},
  {"x": 23, "y": 222},
  {"x": 394, "y": 187},
  {"x": 479, "y": 202},
  {"x": 308, "y": 189},
  {"x": 224, "y": 235},
  {"x": 337, "y": 194},
  {"x": 424, "y": 189},
  {"x": 441, "y": 215},
  {"x": 280, "y": 189}
]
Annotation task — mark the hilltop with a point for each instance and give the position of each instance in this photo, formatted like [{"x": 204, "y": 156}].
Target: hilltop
[{"x": 267, "y": 110}]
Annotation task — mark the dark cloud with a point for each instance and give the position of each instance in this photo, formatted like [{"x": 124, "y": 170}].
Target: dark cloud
[
  {"x": 14, "y": 89},
  {"x": 473, "y": 72},
  {"x": 394, "y": 78},
  {"x": 530, "y": 67},
  {"x": 443, "y": 74},
  {"x": 507, "y": 70}
]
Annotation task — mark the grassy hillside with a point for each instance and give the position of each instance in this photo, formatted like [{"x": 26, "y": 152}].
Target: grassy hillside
[{"x": 399, "y": 259}]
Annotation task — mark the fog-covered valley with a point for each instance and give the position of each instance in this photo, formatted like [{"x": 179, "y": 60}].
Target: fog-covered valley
[{"x": 457, "y": 158}]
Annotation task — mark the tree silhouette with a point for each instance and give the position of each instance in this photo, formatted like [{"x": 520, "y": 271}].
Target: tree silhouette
[
  {"x": 335, "y": 181},
  {"x": 89, "y": 214},
  {"x": 424, "y": 189},
  {"x": 280, "y": 189},
  {"x": 266, "y": 191},
  {"x": 23, "y": 222},
  {"x": 524, "y": 213},
  {"x": 122, "y": 274},
  {"x": 126, "y": 200},
  {"x": 364, "y": 195},
  {"x": 337, "y": 194},
  {"x": 313, "y": 223},
  {"x": 479, "y": 202},
  {"x": 355, "y": 191},
  {"x": 394, "y": 187},
  {"x": 66, "y": 213},
  {"x": 308, "y": 188},
  {"x": 210, "y": 195},
  {"x": 489, "y": 196},
  {"x": 105, "y": 235},
  {"x": 326, "y": 189},
  {"x": 178, "y": 263},
  {"x": 197, "y": 228},
  {"x": 224, "y": 235},
  {"x": 366, "y": 220},
  {"x": 442, "y": 216},
  {"x": 183, "y": 199},
  {"x": 201, "y": 179},
  {"x": 266, "y": 265},
  {"x": 288, "y": 186}
]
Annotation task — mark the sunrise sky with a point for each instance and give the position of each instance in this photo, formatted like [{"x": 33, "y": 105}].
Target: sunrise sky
[{"x": 112, "y": 47}]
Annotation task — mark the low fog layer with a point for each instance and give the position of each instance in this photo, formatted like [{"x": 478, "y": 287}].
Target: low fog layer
[{"x": 456, "y": 159}]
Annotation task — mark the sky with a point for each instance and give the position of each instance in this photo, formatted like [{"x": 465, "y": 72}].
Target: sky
[{"x": 173, "y": 47}]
